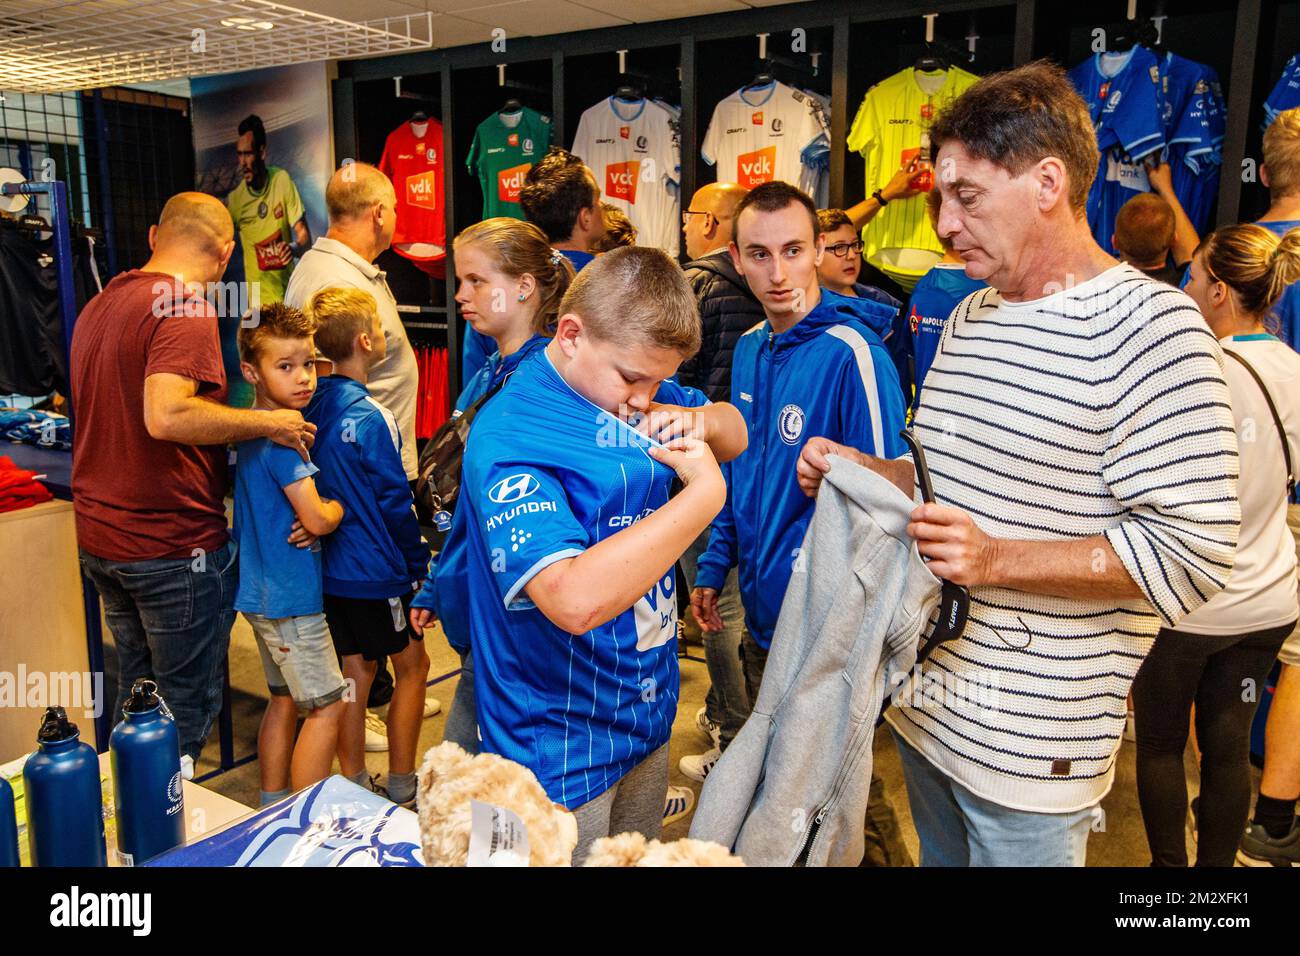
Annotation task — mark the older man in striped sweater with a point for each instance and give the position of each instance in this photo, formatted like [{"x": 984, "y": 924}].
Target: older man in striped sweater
[{"x": 1084, "y": 462}]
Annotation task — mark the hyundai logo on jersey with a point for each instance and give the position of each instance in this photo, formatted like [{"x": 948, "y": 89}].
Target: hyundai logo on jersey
[
  {"x": 791, "y": 424},
  {"x": 512, "y": 489},
  {"x": 777, "y": 125}
]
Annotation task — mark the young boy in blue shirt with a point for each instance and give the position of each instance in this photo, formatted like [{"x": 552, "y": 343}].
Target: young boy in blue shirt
[
  {"x": 374, "y": 561},
  {"x": 571, "y": 559},
  {"x": 280, "y": 584}
]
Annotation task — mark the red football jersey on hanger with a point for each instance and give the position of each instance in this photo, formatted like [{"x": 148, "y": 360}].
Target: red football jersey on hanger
[{"x": 413, "y": 161}]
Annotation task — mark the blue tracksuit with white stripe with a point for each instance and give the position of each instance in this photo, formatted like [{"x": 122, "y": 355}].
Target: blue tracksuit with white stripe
[
  {"x": 377, "y": 551},
  {"x": 829, "y": 375},
  {"x": 546, "y": 476}
]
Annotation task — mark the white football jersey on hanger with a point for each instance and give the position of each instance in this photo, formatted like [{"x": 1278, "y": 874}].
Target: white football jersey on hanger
[
  {"x": 634, "y": 150},
  {"x": 766, "y": 133}
]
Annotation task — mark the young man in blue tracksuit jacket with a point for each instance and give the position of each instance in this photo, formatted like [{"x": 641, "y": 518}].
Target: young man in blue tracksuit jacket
[
  {"x": 375, "y": 559},
  {"x": 815, "y": 364}
]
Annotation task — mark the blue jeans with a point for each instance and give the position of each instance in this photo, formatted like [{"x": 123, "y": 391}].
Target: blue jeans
[
  {"x": 727, "y": 703},
  {"x": 171, "y": 621},
  {"x": 957, "y": 828},
  {"x": 462, "y": 719}
]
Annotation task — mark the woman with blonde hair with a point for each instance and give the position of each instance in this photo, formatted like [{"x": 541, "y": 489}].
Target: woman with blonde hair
[
  {"x": 1219, "y": 655},
  {"x": 510, "y": 285}
]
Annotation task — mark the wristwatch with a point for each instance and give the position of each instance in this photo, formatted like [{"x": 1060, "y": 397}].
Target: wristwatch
[{"x": 878, "y": 197}]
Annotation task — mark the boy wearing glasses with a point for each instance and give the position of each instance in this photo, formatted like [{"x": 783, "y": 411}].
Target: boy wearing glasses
[{"x": 838, "y": 271}]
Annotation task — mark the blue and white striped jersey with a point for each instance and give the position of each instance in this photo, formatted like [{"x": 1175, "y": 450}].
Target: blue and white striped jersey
[
  {"x": 548, "y": 474},
  {"x": 1286, "y": 93},
  {"x": 1123, "y": 95}
]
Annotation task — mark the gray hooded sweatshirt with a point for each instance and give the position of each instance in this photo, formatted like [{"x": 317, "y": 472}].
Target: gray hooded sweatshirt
[{"x": 792, "y": 787}]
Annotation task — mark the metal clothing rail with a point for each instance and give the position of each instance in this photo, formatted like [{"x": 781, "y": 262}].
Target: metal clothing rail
[{"x": 60, "y": 223}]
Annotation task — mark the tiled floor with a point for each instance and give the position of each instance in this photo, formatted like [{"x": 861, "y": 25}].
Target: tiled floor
[{"x": 1122, "y": 842}]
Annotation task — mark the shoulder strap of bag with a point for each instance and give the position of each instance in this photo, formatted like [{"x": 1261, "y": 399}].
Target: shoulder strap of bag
[
  {"x": 1277, "y": 419},
  {"x": 468, "y": 414}
]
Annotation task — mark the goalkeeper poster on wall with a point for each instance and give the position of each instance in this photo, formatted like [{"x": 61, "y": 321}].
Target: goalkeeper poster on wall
[{"x": 262, "y": 146}]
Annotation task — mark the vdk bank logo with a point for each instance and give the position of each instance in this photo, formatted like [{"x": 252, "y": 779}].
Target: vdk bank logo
[{"x": 515, "y": 488}]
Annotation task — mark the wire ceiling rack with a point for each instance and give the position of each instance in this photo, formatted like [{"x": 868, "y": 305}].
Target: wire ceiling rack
[{"x": 51, "y": 46}]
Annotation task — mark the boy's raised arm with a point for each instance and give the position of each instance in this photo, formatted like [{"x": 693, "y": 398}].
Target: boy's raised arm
[
  {"x": 604, "y": 580},
  {"x": 718, "y": 424}
]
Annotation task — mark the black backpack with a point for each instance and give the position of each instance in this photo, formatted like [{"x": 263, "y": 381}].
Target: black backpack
[{"x": 437, "y": 483}]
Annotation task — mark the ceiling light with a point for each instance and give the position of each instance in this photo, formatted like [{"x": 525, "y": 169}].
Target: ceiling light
[{"x": 247, "y": 23}]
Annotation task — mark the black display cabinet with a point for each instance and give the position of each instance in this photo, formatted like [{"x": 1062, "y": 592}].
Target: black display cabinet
[{"x": 857, "y": 44}]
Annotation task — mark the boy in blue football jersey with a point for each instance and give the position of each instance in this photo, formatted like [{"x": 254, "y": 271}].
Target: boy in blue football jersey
[
  {"x": 510, "y": 284},
  {"x": 571, "y": 563},
  {"x": 934, "y": 297},
  {"x": 280, "y": 584},
  {"x": 375, "y": 560}
]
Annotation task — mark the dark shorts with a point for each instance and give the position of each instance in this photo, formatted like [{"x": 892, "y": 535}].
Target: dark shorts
[{"x": 371, "y": 627}]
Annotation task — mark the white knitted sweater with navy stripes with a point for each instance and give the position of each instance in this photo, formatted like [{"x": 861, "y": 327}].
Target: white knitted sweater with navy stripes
[{"x": 1101, "y": 409}]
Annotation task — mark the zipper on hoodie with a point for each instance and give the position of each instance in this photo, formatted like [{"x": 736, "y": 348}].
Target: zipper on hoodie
[
  {"x": 762, "y": 366},
  {"x": 814, "y": 828}
]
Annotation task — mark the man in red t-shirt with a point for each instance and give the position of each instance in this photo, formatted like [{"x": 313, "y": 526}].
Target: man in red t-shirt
[{"x": 149, "y": 463}]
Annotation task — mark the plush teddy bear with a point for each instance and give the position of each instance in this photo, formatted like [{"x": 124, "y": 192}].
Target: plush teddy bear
[
  {"x": 449, "y": 779},
  {"x": 632, "y": 849}
]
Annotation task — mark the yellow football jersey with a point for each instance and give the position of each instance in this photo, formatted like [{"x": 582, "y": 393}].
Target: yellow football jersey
[{"x": 887, "y": 132}]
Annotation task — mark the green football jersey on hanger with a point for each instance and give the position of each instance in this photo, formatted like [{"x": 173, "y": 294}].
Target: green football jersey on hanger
[{"x": 505, "y": 147}]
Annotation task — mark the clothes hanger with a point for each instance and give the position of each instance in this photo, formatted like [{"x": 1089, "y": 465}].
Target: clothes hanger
[
  {"x": 1132, "y": 34},
  {"x": 954, "y": 599},
  {"x": 631, "y": 92},
  {"x": 933, "y": 58},
  {"x": 763, "y": 77}
]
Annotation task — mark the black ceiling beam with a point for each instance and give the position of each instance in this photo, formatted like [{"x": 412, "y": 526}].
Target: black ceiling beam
[{"x": 714, "y": 26}]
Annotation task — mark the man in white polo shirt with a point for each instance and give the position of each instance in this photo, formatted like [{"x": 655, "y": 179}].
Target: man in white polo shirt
[
  {"x": 362, "y": 215},
  {"x": 1084, "y": 460}
]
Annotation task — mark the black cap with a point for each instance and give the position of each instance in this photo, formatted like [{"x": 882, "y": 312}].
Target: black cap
[
  {"x": 144, "y": 697},
  {"x": 55, "y": 726}
]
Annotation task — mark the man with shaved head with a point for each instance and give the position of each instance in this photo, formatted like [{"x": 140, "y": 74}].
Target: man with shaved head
[
  {"x": 362, "y": 215},
  {"x": 149, "y": 463}
]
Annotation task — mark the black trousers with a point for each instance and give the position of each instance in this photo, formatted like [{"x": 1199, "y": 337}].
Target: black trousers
[{"x": 1224, "y": 677}]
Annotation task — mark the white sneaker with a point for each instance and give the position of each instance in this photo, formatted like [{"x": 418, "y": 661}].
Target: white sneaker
[
  {"x": 709, "y": 728},
  {"x": 187, "y": 767},
  {"x": 678, "y": 802},
  {"x": 432, "y": 705},
  {"x": 699, "y": 766},
  {"x": 376, "y": 733}
]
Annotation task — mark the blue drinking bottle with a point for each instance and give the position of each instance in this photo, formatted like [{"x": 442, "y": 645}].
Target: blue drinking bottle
[
  {"x": 8, "y": 826},
  {"x": 65, "y": 812},
  {"x": 145, "y": 752}
]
